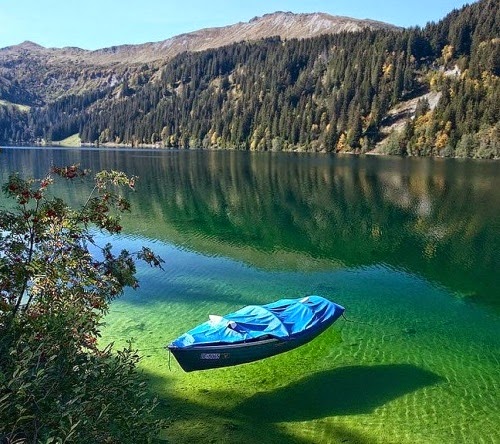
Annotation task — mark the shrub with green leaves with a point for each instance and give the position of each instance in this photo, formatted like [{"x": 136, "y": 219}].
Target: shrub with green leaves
[{"x": 56, "y": 384}]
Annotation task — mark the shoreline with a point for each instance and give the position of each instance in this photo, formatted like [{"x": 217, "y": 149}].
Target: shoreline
[{"x": 157, "y": 147}]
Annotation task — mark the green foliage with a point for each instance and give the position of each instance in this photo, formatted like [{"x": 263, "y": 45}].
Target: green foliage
[
  {"x": 56, "y": 385},
  {"x": 53, "y": 394},
  {"x": 394, "y": 145}
]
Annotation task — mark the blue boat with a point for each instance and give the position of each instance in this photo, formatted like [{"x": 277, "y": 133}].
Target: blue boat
[{"x": 254, "y": 332}]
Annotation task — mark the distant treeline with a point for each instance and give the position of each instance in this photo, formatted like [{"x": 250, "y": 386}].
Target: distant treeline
[{"x": 330, "y": 93}]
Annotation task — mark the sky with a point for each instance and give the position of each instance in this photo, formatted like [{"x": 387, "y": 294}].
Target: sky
[{"x": 93, "y": 24}]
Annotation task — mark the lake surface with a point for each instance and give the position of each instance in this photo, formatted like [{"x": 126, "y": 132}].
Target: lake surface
[{"x": 411, "y": 248}]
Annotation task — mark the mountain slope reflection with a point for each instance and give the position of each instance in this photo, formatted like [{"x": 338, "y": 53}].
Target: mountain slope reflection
[
  {"x": 290, "y": 212},
  {"x": 283, "y": 211},
  {"x": 343, "y": 391}
]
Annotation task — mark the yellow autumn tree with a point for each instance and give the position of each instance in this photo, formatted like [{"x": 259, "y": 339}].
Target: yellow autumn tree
[
  {"x": 342, "y": 143},
  {"x": 443, "y": 136},
  {"x": 447, "y": 53}
]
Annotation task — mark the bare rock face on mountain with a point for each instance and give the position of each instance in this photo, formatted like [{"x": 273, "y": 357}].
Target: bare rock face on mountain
[{"x": 286, "y": 25}]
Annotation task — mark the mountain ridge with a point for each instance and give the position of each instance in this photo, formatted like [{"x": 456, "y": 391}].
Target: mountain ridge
[{"x": 287, "y": 25}]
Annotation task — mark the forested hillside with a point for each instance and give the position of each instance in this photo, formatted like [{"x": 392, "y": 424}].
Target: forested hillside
[{"x": 331, "y": 93}]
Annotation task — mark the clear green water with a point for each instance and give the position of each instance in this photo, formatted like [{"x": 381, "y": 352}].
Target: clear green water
[{"x": 409, "y": 246}]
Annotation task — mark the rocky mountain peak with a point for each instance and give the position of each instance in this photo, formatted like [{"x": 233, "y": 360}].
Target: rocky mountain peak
[{"x": 286, "y": 25}]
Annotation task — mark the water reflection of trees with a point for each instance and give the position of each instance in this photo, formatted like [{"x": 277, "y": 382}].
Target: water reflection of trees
[{"x": 431, "y": 217}]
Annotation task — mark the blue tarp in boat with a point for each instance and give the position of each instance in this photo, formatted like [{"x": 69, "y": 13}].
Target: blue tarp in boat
[{"x": 284, "y": 319}]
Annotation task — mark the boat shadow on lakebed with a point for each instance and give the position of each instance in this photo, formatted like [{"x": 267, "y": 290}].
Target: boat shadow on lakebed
[{"x": 342, "y": 391}]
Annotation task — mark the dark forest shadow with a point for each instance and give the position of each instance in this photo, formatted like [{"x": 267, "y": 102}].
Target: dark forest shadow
[{"x": 342, "y": 391}]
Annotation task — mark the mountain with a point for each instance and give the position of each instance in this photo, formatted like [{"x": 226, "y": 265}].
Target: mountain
[
  {"x": 286, "y": 25},
  {"x": 33, "y": 75},
  {"x": 307, "y": 82}
]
